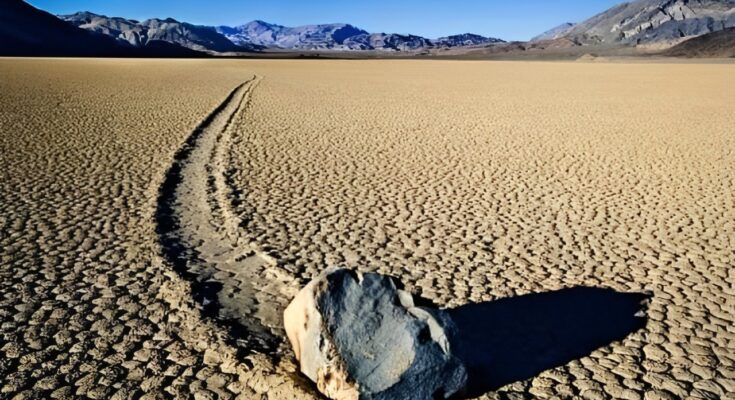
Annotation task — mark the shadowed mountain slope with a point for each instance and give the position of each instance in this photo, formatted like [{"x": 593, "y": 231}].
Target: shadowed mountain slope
[
  {"x": 138, "y": 34},
  {"x": 28, "y": 31},
  {"x": 716, "y": 44}
]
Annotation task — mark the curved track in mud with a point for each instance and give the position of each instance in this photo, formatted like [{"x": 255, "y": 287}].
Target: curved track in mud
[{"x": 199, "y": 232}]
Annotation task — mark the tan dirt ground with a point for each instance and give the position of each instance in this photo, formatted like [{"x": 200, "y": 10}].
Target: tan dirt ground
[{"x": 470, "y": 181}]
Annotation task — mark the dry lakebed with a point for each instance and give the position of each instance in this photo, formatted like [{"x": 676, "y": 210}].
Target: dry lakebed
[{"x": 157, "y": 216}]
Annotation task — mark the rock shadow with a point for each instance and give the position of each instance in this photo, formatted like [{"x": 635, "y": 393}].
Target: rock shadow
[{"x": 517, "y": 338}]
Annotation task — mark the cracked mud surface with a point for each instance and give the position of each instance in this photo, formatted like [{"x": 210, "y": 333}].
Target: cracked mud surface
[
  {"x": 88, "y": 306},
  {"x": 470, "y": 181}
]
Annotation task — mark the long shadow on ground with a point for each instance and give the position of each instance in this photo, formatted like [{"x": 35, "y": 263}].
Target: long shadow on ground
[{"x": 517, "y": 338}]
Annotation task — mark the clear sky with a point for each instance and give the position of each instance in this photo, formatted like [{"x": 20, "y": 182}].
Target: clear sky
[{"x": 506, "y": 19}]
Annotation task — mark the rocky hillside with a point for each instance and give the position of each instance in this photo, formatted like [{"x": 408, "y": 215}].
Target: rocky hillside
[
  {"x": 662, "y": 22},
  {"x": 338, "y": 37},
  {"x": 140, "y": 34},
  {"x": 715, "y": 44}
]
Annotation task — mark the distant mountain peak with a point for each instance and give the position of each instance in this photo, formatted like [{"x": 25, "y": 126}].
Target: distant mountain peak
[{"x": 262, "y": 23}]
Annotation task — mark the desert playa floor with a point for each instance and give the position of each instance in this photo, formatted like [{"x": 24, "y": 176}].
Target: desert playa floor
[{"x": 155, "y": 216}]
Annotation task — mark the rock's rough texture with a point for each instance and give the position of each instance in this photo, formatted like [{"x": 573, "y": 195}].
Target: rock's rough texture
[{"x": 359, "y": 336}]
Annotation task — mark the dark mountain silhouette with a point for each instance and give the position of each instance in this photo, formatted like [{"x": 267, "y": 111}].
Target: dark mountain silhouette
[{"x": 28, "y": 31}]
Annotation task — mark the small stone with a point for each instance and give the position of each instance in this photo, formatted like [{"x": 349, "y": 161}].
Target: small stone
[
  {"x": 359, "y": 336},
  {"x": 211, "y": 357},
  {"x": 593, "y": 395},
  {"x": 658, "y": 395}
]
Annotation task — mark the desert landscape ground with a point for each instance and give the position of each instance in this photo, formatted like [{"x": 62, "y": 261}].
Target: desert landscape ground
[{"x": 157, "y": 215}]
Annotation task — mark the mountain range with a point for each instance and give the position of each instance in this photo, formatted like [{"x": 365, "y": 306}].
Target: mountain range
[
  {"x": 129, "y": 32},
  {"x": 259, "y": 35},
  {"x": 658, "y": 24},
  {"x": 338, "y": 37}
]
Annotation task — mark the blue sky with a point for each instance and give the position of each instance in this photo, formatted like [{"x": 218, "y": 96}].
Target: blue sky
[{"x": 506, "y": 19}]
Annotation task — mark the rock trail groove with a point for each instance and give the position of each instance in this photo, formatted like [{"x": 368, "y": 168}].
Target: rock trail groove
[
  {"x": 200, "y": 233},
  {"x": 89, "y": 308}
]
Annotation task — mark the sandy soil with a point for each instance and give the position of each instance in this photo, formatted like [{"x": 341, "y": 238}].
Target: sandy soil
[{"x": 135, "y": 192}]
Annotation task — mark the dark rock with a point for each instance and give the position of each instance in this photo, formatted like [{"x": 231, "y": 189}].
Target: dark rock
[{"x": 359, "y": 336}]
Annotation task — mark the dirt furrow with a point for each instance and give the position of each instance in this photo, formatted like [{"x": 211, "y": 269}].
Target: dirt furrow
[{"x": 200, "y": 234}]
